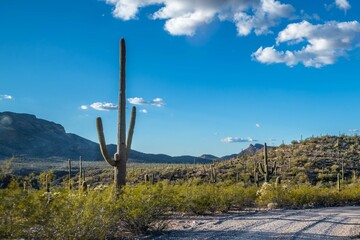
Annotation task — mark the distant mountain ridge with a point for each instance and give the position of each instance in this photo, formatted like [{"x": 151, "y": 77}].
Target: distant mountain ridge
[
  {"x": 26, "y": 135},
  {"x": 251, "y": 150}
]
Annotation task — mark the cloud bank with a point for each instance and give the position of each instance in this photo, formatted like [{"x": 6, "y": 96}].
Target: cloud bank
[
  {"x": 324, "y": 44},
  {"x": 237, "y": 140},
  {"x": 319, "y": 45},
  {"x": 184, "y": 17}
]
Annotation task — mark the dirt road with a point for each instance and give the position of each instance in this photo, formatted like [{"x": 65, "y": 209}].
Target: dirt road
[{"x": 323, "y": 223}]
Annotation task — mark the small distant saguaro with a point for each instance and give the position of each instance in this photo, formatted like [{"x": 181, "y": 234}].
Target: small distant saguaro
[{"x": 123, "y": 149}]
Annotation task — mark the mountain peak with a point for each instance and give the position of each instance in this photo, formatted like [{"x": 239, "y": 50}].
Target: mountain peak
[
  {"x": 27, "y": 123},
  {"x": 25, "y": 134}
]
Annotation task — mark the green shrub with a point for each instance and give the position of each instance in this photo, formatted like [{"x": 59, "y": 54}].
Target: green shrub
[
  {"x": 209, "y": 198},
  {"x": 305, "y": 196},
  {"x": 143, "y": 207}
]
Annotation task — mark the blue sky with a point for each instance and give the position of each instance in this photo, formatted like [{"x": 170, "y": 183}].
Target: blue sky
[{"x": 206, "y": 76}]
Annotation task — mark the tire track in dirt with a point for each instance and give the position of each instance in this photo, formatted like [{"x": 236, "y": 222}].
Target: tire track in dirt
[
  {"x": 319, "y": 227},
  {"x": 325, "y": 223},
  {"x": 337, "y": 224}
]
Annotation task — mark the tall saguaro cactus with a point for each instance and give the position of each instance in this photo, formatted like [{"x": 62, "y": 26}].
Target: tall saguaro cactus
[
  {"x": 80, "y": 172},
  {"x": 69, "y": 168},
  {"x": 123, "y": 148},
  {"x": 264, "y": 168}
]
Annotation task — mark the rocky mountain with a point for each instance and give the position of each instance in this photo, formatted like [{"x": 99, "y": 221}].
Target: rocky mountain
[
  {"x": 251, "y": 150},
  {"x": 31, "y": 137},
  {"x": 24, "y": 134}
]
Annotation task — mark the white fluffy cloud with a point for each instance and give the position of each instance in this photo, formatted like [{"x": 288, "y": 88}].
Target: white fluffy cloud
[
  {"x": 6, "y": 97},
  {"x": 324, "y": 44},
  {"x": 237, "y": 140},
  {"x": 343, "y": 4},
  {"x": 183, "y": 17},
  {"x": 137, "y": 101},
  {"x": 102, "y": 106},
  {"x": 265, "y": 15},
  {"x": 157, "y": 102},
  {"x": 105, "y": 106}
]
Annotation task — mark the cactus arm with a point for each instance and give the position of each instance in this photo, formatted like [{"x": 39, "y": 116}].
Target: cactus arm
[
  {"x": 275, "y": 165},
  {"x": 131, "y": 132},
  {"x": 261, "y": 169},
  {"x": 103, "y": 148},
  {"x": 273, "y": 169},
  {"x": 265, "y": 153}
]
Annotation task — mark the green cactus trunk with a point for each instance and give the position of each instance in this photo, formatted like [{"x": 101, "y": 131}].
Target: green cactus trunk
[
  {"x": 84, "y": 183},
  {"x": 80, "y": 172},
  {"x": 264, "y": 168},
  {"x": 123, "y": 148},
  {"x": 277, "y": 182},
  {"x": 212, "y": 173},
  {"x": 151, "y": 178},
  {"x": 47, "y": 183},
  {"x": 257, "y": 179},
  {"x": 256, "y": 174},
  {"x": 354, "y": 175},
  {"x": 69, "y": 167}
]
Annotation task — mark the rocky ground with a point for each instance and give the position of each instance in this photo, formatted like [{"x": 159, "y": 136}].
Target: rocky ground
[{"x": 322, "y": 223}]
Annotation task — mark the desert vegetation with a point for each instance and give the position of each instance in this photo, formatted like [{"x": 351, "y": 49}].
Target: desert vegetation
[
  {"x": 101, "y": 212},
  {"x": 43, "y": 206}
]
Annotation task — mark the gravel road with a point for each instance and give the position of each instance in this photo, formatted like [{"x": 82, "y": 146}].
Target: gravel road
[{"x": 322, "y": 223}]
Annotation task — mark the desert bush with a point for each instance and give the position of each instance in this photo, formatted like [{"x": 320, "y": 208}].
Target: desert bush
[
  {"x": 201, "y": 198},
  {"x": 11, "y": 217},
  {"x": 57, "y": 214},
  {"x": 144, "y": 207},
  {"x": 195, "y": 197},
  {"x": 305, "y": 196},
  {"x": 236, "y": 196},
  {"x": 96, "y": 214}
]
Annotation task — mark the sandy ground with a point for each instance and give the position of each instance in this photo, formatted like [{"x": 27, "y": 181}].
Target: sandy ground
[{"x": 322, "y": 223}]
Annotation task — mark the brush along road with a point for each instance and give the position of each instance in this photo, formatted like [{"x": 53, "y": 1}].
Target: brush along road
[{"x": 321, "y": 223}]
